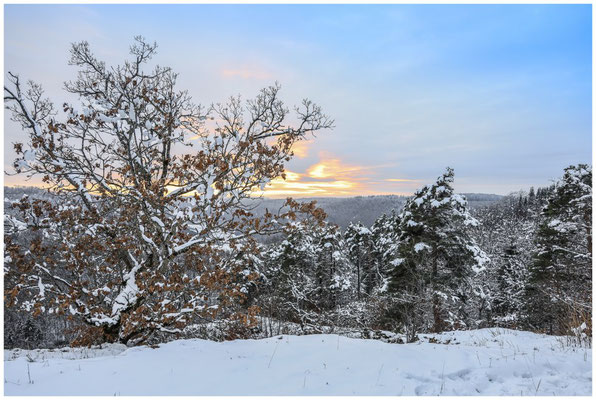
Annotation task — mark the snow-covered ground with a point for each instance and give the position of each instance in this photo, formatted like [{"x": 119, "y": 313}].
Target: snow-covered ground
[{"x": 479, "y": 362}]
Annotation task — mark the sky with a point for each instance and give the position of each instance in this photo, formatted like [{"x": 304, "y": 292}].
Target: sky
[{"x": 500, "y": 93}]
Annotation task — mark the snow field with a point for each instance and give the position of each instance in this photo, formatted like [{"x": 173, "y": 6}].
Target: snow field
[{"x": 478, "y": 362}]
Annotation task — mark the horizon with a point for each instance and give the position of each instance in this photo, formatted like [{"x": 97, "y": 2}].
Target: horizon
[
  {"x": 514, "y": 193},
  {"x": 501, "y": 93}
]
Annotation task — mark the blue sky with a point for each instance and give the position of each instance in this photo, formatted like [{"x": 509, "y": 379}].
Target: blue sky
[{"x": 502, "y": 93}]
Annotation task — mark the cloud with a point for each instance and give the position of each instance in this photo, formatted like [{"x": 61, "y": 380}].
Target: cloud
[
  {"x": 333, "y": 167},
  {"x": 295, "y": 185},
  {"x": 301, "y": 148},
  {"x": 401, "y": 180},
  {"x": 332, "y": 177}
]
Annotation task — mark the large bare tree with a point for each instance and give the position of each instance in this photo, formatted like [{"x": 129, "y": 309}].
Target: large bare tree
[{"x": 153, "y": 225}]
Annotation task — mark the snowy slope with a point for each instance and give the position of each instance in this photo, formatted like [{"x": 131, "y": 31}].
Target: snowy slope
[{"x": 485, "y": 362}]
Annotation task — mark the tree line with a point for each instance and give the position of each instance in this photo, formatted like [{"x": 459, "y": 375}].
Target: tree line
[{"x": 523, "y": 262}]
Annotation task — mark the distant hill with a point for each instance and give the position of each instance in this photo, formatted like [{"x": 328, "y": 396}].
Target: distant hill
[
  {"x": 366, "y": 209},
  {"x": 340, "y": 210}
]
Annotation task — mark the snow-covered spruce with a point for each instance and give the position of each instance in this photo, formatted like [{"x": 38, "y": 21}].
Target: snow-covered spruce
[
  {"x": 435, "y": 259},
  {"x": 559, "y": 290}
]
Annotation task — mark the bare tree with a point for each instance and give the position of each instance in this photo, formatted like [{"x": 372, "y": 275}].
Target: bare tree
[{"x": 149, "y": 222}]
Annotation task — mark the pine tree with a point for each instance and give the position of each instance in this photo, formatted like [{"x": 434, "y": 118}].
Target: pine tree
[
  {"x": 507, "y": 237},
  {"x": 332, "y": 267},
  {"x": 560, "y": 275},
  {"x": 511, "y": 279},
  {"x": 359, "y": 243},
  {"x": 308, "y": 274},
  {"x": 531, "y": 196},
  {"x": 435, "y": 259},
  {"x": 385, "y": 232},
  {"x": 290, "y": 270}
]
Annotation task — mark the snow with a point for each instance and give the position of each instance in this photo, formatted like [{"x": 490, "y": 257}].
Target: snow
[
  {"x": 421, "y": 247},
  {"x": 478, "y": 362},
  {"x": 397, "y": 261},
  {"x": 158, "y": 221},
  {"x": 67, "y": 353},
  {"x": 29, "y": 155},
  {"x": 362, "y": 230},
  {"x": 41, "y": 287},
  {"x": 127, "y": 295},
  {"x": 436, "y": 204},
  {"x": 480, "y": 256}
]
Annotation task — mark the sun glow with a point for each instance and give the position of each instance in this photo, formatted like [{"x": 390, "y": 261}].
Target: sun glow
[
  {"x": 330, "y": 177},
  {"x": 301, "y": 147}
]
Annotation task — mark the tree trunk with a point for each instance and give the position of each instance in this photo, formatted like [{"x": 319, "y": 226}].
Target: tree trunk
[
  {"x": 436, "y": 301},
  {"x": 358, "y": 278}
]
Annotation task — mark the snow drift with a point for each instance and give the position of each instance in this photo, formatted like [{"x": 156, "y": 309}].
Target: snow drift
[{"x": 479, "y": 362}]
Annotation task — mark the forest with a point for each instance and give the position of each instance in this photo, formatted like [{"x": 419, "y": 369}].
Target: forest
[
  {"x": 143, "y": 237},
  {"x": 522, "y": 262}
]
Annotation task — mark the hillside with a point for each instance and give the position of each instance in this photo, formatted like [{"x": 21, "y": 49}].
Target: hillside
[
  {"x": 340, "y": 210},
  {"x": 477, "y": 362},
  {"x": 366, "y": 209}
]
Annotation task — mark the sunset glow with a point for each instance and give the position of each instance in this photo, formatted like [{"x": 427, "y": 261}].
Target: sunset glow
[
  {"x": 301, "y": 148},
  {"x": 331, "y": 177}
]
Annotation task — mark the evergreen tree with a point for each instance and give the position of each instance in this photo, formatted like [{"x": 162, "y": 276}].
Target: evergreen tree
[
  {"x": 332, "y": 267},
  {"x": 436, "y": 258},
  {"x": 511, "y": 279},
  {"x": 289, "y": 277},
  {"x": 385, "y": 231},
  {"x": 531, "y": 196},
  {"x": 359, "y": 244},
  {"x": 561, "y": 275},
  {"x": 308, "y": 274},
  {"x": 507, "y": 237}
]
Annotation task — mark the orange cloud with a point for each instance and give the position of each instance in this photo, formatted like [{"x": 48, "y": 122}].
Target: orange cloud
[
  {"x": 331, "y": 177},
  {"x": 335, "y": 168},
  {"x": 401, "y": 180},
  {"x": 297, "y": 184},
  {"x": 332, "y": 168},
  {"x": 301, "y": 148}
]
